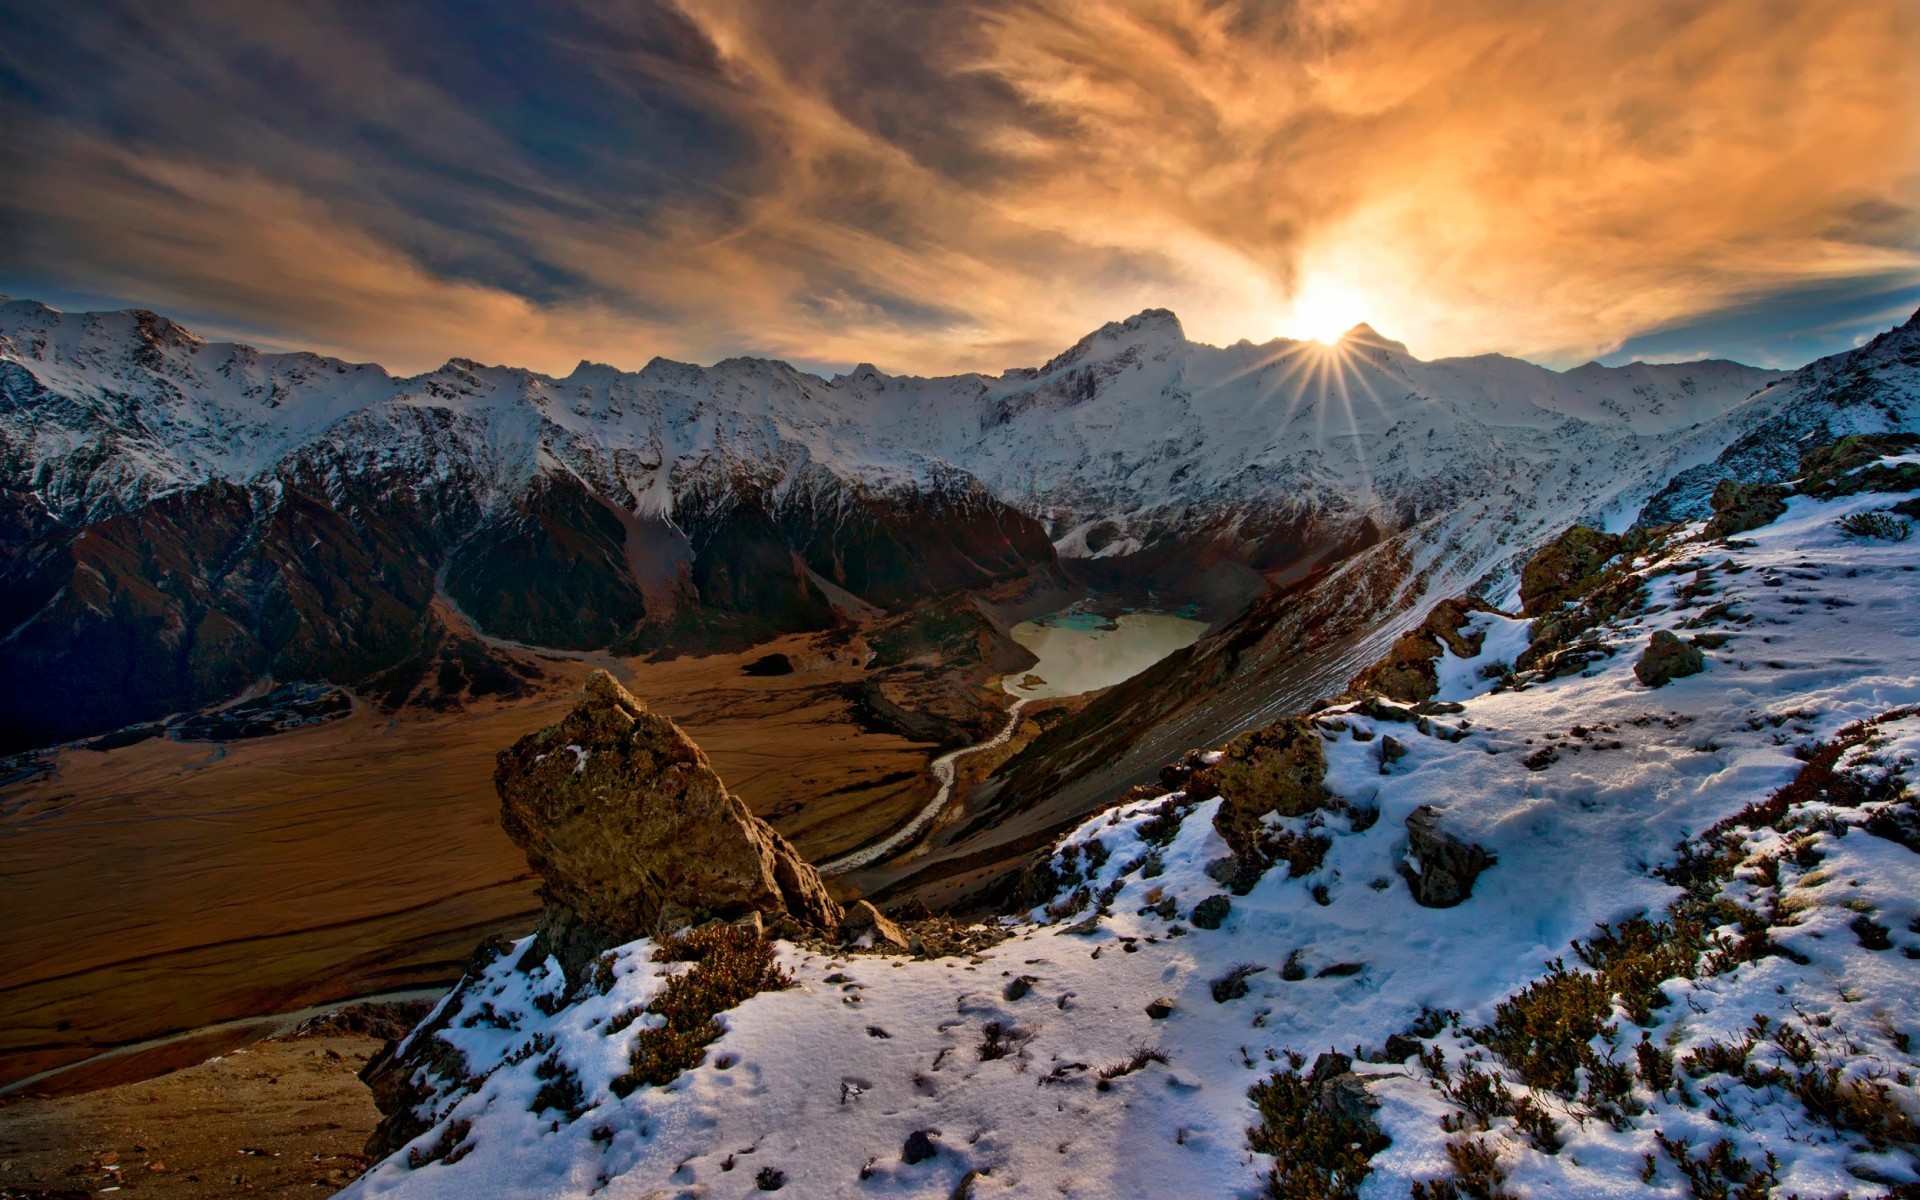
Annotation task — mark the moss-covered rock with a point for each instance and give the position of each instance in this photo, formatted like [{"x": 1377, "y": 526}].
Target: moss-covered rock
[
  {"x": 1279, "y": 768},
  {"x": 1852, "y": 465},
  {"x": 1565, "y": 568},
  {"x": 1738, "y": 507},
  {"x": 1667, "y": 658}
]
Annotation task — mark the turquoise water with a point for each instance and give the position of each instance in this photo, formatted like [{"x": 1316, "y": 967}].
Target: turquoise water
[{"x": 1082, "y": 651}]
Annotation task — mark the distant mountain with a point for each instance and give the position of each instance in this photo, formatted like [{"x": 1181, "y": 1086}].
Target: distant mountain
[{"x": 179, "y": 518}]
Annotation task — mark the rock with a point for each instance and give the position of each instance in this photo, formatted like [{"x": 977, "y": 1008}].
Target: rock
[
  {"x": 623, "y": 818},
  {"x": 1209, "y": 913},
  {"x": 1667, "y": 658},
  {"x": 1345, "y": 1096},
  {"x": 1400, "y": 1047},
  {"x": 1738, "y": 507},
  {"x": 1161, "y": 1008},
  {"x": 1019, "y": 987},
  {"x": 1565, "y": 569},
  {"x": 1326, "y": 1065},
  {"x": 863, "y": 918},
  {"x": 1278, "y": 768},
  {"x": 1852, "y": 465},
  {"x": 1408, "y": 673},
  {"x": 1443, "y": 867},
  {"x": 920, "y": 1147},
  {"x": 1392, "y": 750}
]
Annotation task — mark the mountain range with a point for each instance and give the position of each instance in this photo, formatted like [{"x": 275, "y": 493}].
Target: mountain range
[{"x": 182, "y": 520}]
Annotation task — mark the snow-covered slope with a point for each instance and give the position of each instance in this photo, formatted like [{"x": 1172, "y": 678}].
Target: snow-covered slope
[{"x": 1769, "y": 1004}]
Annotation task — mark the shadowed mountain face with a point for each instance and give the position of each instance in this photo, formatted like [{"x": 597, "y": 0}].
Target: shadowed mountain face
[{"x": 183, "y": 518}]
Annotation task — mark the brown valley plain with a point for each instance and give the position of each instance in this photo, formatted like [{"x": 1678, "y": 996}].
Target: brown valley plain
[{"x": 169, "y": 886}]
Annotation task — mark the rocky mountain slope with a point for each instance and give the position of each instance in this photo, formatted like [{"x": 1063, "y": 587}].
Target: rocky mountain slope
[
  {"x": 1611, "y": 897},
  {"x": 181, "y": 517},
  {"x": 1304, "y": 640}
]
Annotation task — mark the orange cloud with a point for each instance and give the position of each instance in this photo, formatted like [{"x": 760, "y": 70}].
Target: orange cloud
[{"x": 969, "y": 187}]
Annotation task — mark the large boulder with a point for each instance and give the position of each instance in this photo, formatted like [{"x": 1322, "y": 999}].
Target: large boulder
[
  {"x": 1667, "y": 658},
  {"x": 1441, "y": 867},
  {"x": 1565, "y": 568},
  {"x": 1408, "y": 672},
  {"x": 1279, "y": 768},
  {"x": 626, "y": 821}
]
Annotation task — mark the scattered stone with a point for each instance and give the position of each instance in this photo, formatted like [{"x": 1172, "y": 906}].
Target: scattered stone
[
  {"x": 1667, "y": 658},
  {"x": 1400, "y": 1047},
  {"x": 1392, "y": 750},
  {"x": 1441, "y": 868},
  {"x": 1161, "y": 1008},
  {"x": 920, "y": 1147},
  {"x": 1340, "y": 970},
  {"x": 621, "y": 815},
  {"x": 1019, "y": 987},
  {"x": 1209, "y": 913}
]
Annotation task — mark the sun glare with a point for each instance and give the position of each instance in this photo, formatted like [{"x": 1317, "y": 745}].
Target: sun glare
[{"x": 1324, "y": 309}]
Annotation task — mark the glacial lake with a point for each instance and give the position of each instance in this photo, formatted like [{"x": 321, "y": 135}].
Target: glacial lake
[{"x": 1082, "y": 651}]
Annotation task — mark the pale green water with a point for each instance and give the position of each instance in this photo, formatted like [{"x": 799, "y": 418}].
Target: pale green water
[{"x": 1080, "y": 652}]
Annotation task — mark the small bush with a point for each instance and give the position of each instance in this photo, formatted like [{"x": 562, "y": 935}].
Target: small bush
[
  {"x": 1233, "y": 985},
  {"x": 1142, "y": 1055},
  {"x": 731, "y": 964},
  {"x": 1881, "y": 525},
  {"x": 1720, "y": 1174},
  {"x": 1477, "y": 1175},
  {"x": 1544, "y": 1031},
  {"x": 1318, "y": 1155}
]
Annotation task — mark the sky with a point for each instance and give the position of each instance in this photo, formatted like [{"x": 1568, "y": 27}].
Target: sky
[{"x": 938, "y": 186}]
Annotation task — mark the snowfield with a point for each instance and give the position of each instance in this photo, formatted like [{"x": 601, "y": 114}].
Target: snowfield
[{"x": 1788, "y": 1035}]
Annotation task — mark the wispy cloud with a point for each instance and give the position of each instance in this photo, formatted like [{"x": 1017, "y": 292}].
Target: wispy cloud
[{"x": 964, "y": 185}]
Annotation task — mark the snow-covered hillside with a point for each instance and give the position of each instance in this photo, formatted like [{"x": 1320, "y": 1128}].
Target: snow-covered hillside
[{"x": 1737, "y": 807}]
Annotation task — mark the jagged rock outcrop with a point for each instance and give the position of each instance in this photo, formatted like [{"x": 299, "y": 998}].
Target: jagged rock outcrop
[
  {"x": 624, "y": 819},
  {"x": 1667, "y": 658},
  {"x": 1738, "y": 507},
  {"x": 1442, "y": 867},
  {"x": 1407, "y": 673},
  {"x": 1565, "y": 568}
]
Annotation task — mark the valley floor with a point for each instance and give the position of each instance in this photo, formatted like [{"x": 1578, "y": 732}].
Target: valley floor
[{"x": 173, "y": 885}]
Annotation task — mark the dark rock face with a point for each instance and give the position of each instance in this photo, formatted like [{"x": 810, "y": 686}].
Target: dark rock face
[
  {"x": 1565, "y": 568},
  {"x": 187, "y": 600},
  {"x": 1667, "y": 658},
  {"x": 551, "y": 571},
  {"x": 1738, "y": 507},
  {"x": 1408, "y": 673},
  {"x": 624, "y": 819},
  {"x": 1447, "y": 865}
]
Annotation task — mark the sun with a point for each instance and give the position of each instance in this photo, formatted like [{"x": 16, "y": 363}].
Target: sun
[{"x": 1324, "y": 308}]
